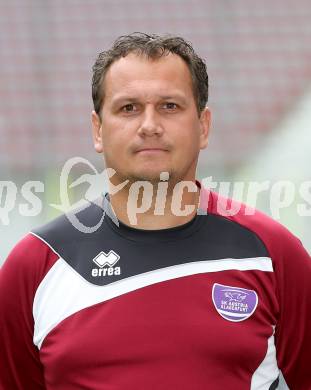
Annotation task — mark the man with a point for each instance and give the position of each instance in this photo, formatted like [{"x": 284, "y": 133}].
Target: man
[{"x": 169, "y": 292}]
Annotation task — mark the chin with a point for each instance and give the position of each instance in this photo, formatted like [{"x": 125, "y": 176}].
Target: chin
[{"x": 152, "y": 176}]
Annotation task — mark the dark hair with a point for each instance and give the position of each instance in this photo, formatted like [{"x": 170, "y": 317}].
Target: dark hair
[{"x": 152, "y": 46}]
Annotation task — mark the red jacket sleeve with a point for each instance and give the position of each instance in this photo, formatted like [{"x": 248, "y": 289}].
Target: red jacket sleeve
[
  {"x": 292, "y": 267},
  {"x": 293, "y": 333},
  {"x": 20, "y": 366}
]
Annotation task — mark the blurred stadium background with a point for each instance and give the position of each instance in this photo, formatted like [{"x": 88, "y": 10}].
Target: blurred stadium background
[{"x": 258, "y": 56}]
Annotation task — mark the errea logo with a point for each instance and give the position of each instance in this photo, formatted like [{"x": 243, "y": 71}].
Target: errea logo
[{"x": 106, "y": 262}]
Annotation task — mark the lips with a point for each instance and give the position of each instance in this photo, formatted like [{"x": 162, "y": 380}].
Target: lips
[
  {"x": 151, "y": 149},
  {"x": 150, "y": 152}
]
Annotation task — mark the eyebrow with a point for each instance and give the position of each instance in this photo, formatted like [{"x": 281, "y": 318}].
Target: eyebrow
[
  {"x": 174, "y": 97},
  {"x": 130, "y": 98}
]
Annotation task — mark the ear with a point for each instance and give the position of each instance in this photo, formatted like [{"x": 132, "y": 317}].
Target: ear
[
  {"x": 97, "y": 132},
  {"x": 205, "y": 124}
]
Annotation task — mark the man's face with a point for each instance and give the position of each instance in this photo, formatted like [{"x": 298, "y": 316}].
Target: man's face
[{"x": 149, "y": 120}]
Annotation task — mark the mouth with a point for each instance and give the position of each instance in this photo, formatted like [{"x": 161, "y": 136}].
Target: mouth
[{"x": 150, "y": 151}]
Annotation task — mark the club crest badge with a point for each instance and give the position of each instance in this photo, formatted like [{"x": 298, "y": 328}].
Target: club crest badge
[{"x": 234, "y": 303}]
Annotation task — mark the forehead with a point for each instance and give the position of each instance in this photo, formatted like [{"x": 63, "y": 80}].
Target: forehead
[{"x": 139, "y": 74}]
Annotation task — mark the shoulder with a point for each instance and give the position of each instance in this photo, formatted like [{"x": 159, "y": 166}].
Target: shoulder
[
  {"x": 37, "y": 250},
  {"x": 27, "y": 264},
  {"x": 276, "y": 237},
  {"x": 71, "y": 226}
]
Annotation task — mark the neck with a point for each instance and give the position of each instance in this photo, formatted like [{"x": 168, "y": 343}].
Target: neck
[{"x": 156, "y": 206}]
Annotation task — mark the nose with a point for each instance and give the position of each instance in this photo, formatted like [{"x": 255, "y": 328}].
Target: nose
[{"x": 150, "y": 124}]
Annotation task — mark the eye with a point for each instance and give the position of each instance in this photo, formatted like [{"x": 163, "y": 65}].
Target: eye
[
  {"x": 170, "y": 105},
  {"x": 129, "y": 108}
]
